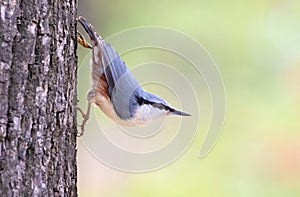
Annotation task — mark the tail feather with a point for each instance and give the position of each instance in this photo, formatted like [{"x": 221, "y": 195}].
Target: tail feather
[{"x": 88, "y": 28}]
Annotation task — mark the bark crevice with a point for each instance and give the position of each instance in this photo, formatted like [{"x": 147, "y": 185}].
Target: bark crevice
[{"x": 37, "y": 98}]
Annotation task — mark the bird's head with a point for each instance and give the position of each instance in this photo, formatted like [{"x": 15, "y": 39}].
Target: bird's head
[{"x": 150, "y": 106}]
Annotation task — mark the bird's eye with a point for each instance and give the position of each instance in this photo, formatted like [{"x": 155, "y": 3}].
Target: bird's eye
[{"x": 159, "y": 106}]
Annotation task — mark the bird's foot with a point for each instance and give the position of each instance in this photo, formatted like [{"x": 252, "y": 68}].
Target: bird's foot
[{"x": 85, "y": 118}]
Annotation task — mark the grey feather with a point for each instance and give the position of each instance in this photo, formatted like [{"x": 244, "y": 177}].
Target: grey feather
[
  {"x": 123, "y": 89},
  {"x": 121, "y": 82}
]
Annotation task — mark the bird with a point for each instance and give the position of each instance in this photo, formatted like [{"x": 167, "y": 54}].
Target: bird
[{"x": 115, "y": 90}]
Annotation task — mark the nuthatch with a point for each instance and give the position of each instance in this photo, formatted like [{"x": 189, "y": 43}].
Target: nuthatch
[{"x": 114, "y": 88}]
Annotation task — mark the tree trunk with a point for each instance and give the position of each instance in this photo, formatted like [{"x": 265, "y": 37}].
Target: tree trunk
[{"x": 37, "y": 98}]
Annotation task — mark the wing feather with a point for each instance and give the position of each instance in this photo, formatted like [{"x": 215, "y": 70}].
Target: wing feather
[{"x": 121, "y": 82}]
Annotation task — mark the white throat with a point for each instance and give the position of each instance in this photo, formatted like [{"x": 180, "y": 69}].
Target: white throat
[{"x": 145, "y": 113}]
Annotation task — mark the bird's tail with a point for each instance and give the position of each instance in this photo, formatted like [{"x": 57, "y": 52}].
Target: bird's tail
[{"x": 88, "y": 28}]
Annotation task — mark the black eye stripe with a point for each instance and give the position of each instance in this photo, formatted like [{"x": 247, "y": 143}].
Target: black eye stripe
[
  {"x": 142, "y": 101},
  {"x": 159, "y": 106}
]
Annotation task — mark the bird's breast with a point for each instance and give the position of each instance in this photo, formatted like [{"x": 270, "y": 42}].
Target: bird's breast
[{"x": 139, "y": 119}]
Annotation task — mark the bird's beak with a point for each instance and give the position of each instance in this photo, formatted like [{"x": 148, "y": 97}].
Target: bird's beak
[{"x": 180, "y": 113}]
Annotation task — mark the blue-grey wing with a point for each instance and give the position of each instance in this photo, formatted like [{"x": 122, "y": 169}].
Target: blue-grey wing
[{"x": 121, "y": 83}]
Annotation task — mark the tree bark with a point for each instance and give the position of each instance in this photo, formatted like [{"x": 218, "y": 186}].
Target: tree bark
[{"x": 37, "y": 98}]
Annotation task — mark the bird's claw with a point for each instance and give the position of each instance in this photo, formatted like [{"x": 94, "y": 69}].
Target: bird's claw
[{"x": 85, "y": 118}]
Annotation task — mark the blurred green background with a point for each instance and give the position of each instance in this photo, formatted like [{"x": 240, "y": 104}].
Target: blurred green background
[{"x": 256, "y": 45}]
